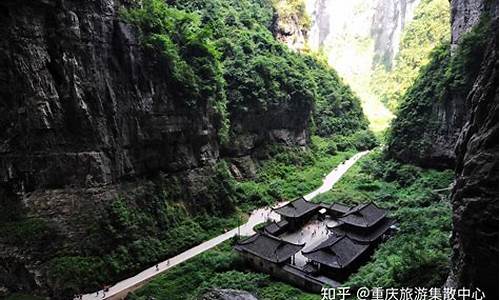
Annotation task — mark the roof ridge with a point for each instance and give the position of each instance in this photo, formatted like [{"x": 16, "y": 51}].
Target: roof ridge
[
  {"x": 280, "y": 239},
  {"x": 318, "y": 248},
  {"x": 249, "y": 239}
]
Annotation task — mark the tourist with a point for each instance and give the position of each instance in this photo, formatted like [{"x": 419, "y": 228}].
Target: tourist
[{"x": 157, "y": 269}]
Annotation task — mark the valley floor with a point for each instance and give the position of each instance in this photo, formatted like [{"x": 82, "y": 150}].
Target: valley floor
[
  {"x": 258, "y": 216},
  {"x": 416, "y": 256}
]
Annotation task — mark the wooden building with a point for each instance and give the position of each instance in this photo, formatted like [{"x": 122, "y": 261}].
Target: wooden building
[
  {"x": 356, "y": 232},
  {"x": 276, "y": 228},
  {"x": 274, "y": 256},
  {"x": 335, "y": 209},
  {"x": 265, "y": 251},
  {"x": 365, "y": 223},
  {"x": 297, "y": 212},
  {"x": 338, "y": 256}
]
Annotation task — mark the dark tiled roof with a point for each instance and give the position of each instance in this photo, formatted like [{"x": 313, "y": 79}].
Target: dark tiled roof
[
  {"x": 339, "y": 207},
  {"x": 367, "y": 235},
  {"x": 363, "y": 215},
  {"x": 336, "y": 207},
  {"x": 268, "y": 247},
  {"x": 273, "y": 227},
  {"x": 338, "y": 251},
  {"x": 296, "y": 208}
]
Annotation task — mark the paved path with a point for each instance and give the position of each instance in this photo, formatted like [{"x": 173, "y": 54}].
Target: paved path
[
  {"x": 122, "y": 288},
  {"x": 335, "y": 175}
]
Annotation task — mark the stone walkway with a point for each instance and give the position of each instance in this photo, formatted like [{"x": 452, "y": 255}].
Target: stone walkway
[{"x": 122, "y": 288}]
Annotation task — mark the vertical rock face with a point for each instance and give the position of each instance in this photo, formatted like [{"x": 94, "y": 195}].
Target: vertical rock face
[
  {"x": 465, "y": 14},
  {"x": 384, "y": 21},
  {"x": 82, "y": 103},
  {"x": 446, "y": 114},
  {"x": 475, "y": 194},
  {"x": 85, "y": 109},
  {"x": 289, "y": 28},
  {"x": 388, "y": 23},
  {"x": 453, "y": 113},
  {"x": 321, "y": 22}
]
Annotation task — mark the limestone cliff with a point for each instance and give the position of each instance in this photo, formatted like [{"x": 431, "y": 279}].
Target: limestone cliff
[
  {"x": 433, "y": 113},
  {"x": 89, "y": 113},
  {"x": 387, "y": 27},
  {"x": 449, "y": 118},
  {"x": 382, "y": 21},
  {"x": 475, "y": 194}
]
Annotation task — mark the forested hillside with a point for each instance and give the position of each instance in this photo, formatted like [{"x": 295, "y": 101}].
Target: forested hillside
[
  {"x": 432, "y": 111},
  {"x": 135, "y": 130},
  {"x": 127, "y": 123},
  {"x": 259, "y": 74},
  {"x": 449, "y": 118},
  {"x": 428, "y": 29}
]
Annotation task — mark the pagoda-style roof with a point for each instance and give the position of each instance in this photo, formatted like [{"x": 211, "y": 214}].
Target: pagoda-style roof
[
  {"x": 338, "y": 251},
  {"x": 274, "y": 228},
  {"x": 339, "y": 207},
  {"x": 296, "y": 208},
  {"x": 366, "y": 235},
  {"x": 268, "y": 247},
  {"x": 363, "y": 215}
]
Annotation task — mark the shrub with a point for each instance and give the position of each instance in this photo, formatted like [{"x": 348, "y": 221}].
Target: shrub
[
  {"x": 28, "y": 232},
  {"x": 69, "y": 274},
  {"x": 191, "y": 56}
]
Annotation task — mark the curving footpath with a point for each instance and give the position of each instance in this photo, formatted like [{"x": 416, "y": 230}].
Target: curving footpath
[{"x": 122, "y": 288}]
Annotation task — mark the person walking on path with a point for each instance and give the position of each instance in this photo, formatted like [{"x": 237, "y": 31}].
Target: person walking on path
[{"x": 157, "y": 269}]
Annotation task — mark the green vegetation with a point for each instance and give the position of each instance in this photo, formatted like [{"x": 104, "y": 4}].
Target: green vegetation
[
  {"x": 428, "y": 29},
  {"x": 334, "y": 100},
  {"x": 26, "y": 232},
  {"x": 191, "y": 57},
  {"x": 412, "y": 132},
  {"x": 418, "y": 254},
  {"x": 18, "y": 296},
  {"x": 467, "y": 60},
  {"x": 291, "y": 173},
  {"x": 287, "y": 9},
  {"x": 202, "y": 40},
  {"x": 156, "y": 220},
  {"x": 217, "y": 268}
]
